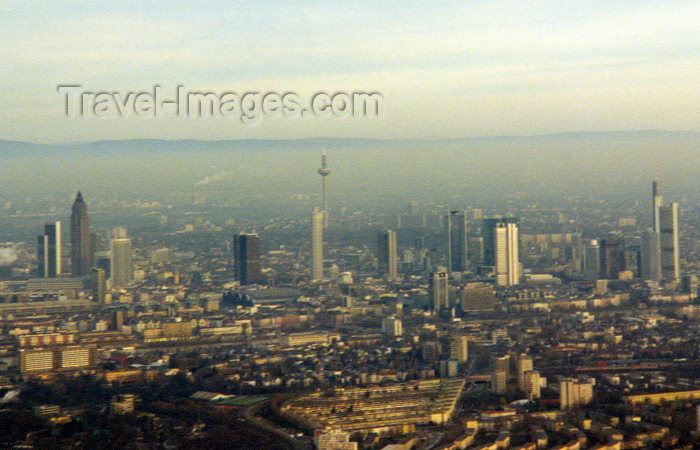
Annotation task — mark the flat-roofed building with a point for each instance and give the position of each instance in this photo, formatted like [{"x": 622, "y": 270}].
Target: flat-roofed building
[
  {"x": 477, "y": 297},
  {"x": 297, "y": 339},
  {"x": 177, "y": 329},
  {"x": 69, "y": 286},
  {"x": 575, "y": 392},
  {"x": 389, "y": 408},
  {"x": 46, "y": 339},
  {"x": 36, "y": 360},
  {"x": 74, "y": 357}
]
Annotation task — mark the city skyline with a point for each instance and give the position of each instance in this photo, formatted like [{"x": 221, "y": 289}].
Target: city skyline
[
  {"x": 658, "y": 255},
  {"x": 453, "y": 328},
  {"x": 485, "y": 267}
]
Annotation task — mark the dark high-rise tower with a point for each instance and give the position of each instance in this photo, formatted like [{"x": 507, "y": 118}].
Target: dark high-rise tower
[
  {"x": 98, "y": 284},
  {"x": 612, "y": 257},
  {"x": 386, "y": 253},
  {"x": 651, "y": 255},
  {"x": 246, "y": 258},
  {"x": 80, "y": 238},
  {"x": 456, "y": 241},
  {"x": 49, "y": 251},
  {"x": 651, "y": 239}
]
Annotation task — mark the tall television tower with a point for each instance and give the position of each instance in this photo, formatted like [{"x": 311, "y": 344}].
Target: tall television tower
[{"x": 324, "y": 171}]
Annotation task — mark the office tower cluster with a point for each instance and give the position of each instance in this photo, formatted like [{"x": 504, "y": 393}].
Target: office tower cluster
[
  {"x": 497, "y": 247},
  {"x": 449, "y": 251},
  {"x": 529, "y": 380},
  {"x": 660, "y": 254},
  {"x": 490, "y": 249},
  {"x": 49, "y": 244},
  {"x": 492, "y": 252},
  {"x": 100, "y": 268},
  {"x": 656, "y": 258}
]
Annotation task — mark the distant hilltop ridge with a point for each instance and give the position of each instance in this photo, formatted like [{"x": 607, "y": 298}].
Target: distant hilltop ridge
[{"x": 356, "y": 141}]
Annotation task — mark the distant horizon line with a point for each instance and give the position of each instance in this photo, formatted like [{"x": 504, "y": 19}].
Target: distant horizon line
[{"x": 368, "y": 139}]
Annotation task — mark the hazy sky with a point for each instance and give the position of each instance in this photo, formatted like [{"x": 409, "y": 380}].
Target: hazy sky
[{"x": 445, "y": 69}]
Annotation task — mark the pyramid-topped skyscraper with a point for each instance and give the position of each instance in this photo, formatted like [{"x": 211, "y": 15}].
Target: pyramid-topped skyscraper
[{"x": 80, "y": 238}]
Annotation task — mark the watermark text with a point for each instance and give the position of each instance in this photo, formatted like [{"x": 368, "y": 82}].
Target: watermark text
[{"x": 248, "y": 107}]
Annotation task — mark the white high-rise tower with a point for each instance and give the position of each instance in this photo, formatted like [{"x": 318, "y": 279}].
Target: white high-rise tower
[
  {"x": 121, "y": 262},
  {"x": 668, "y": 241},
  {"x": 507, "y": 261}
]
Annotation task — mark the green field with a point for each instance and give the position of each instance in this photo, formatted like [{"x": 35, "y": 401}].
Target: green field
[{"x": 244, "y": 400}]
